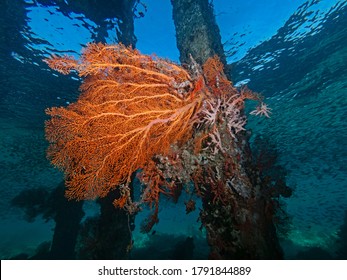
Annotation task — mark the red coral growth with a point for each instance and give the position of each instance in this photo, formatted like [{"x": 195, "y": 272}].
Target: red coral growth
[{"x": 190, "y": 205}]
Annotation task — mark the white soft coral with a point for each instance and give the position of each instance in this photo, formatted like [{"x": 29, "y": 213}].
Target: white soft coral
[{"x": 262, "y": 110}]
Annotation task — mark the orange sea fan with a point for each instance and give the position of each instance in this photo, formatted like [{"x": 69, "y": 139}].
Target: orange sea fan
[
  {"x": 217, "y": 81},
  {"x": 132, "y": 107}
]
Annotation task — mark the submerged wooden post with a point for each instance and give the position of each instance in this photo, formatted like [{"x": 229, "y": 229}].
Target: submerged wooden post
[{"x": 240, "y": 227}]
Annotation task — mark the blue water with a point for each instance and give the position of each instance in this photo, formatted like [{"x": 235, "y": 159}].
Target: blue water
[{"x": 292, "y": 51}]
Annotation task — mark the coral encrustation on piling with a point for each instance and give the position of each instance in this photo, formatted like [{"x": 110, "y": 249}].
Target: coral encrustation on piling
[{"x": 175, "y": 126}]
